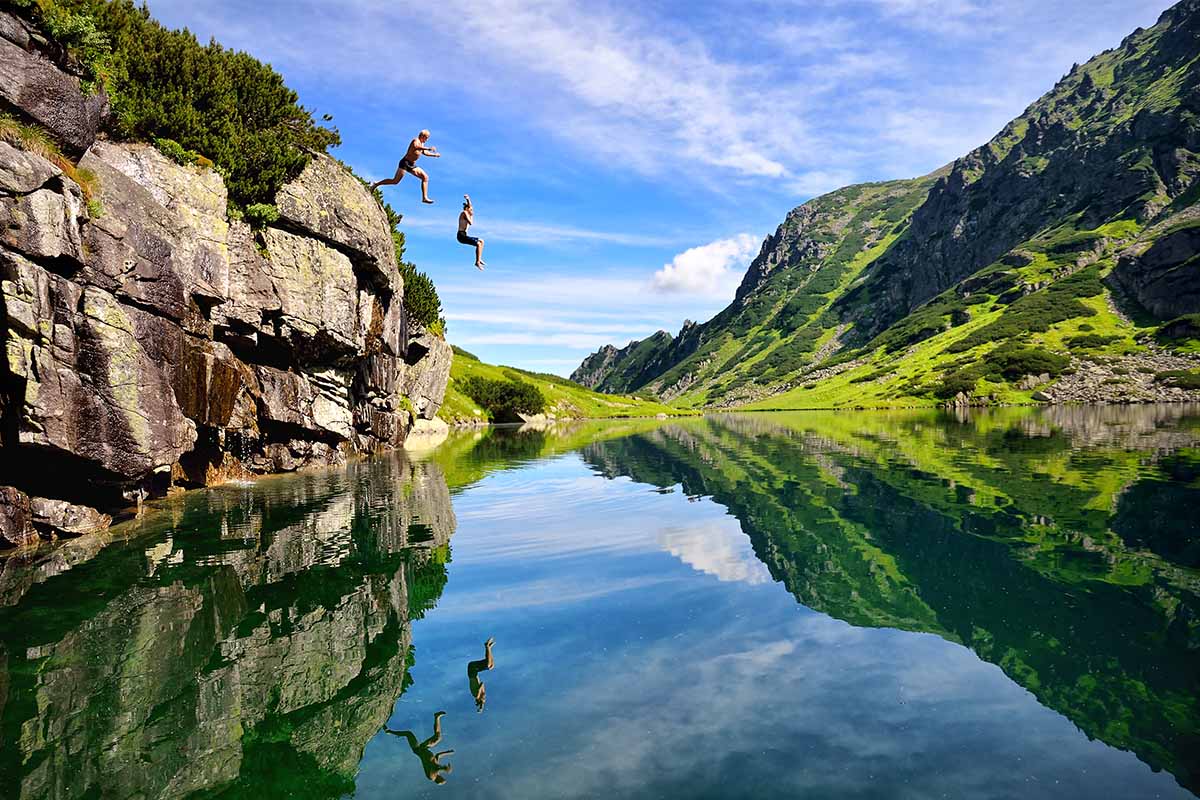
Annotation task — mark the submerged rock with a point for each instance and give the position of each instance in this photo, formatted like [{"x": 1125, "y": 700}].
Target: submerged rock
[{"x": 63, "y": 518}]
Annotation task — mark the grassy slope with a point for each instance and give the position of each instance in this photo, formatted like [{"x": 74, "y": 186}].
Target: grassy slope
[
  {"x": 892, "y": 377},
  {"x": 563, "y": 397},
  {"x": 635, "y": 364},
  {"x": 783, "y": 325}
]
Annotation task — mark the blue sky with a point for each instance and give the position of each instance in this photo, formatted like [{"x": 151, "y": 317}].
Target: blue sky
[{"x": 626, "y": 159}]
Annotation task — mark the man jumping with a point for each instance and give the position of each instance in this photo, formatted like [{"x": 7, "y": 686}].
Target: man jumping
[
  {"x": 416, "y": 149},
  {"x": 430, "y": 761},
  {"x": 466, "y": 219}
]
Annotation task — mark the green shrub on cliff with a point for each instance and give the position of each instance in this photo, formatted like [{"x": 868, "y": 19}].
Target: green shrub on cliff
[
  {"x": 77, "y": 33},
  {"x": 1180, "y": 378},
  {"x": 260, "y": 215},
  {"x": 1010, "y": 361},
  {"x": 176, "y": 152},
  {"x": 164, "y": 84},
  {"x": 421, "y": 300},
  {"x": 504, "y": 399}
]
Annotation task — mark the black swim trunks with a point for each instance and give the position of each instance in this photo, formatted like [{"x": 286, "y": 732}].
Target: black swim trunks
[
  {"x": 465, "y": 239},
  {"x": 408, "y": 166}
]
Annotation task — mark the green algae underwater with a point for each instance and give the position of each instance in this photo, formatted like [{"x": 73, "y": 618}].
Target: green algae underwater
[{"x": 891, "y": 604}]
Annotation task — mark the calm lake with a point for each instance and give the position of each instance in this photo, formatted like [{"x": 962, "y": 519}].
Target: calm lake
[{"x": 817, "y": 605}]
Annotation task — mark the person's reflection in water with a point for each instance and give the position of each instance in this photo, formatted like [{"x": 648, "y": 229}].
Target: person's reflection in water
[
  {"x": 424, "y": 750},
  {"x": 478, "y": 690}
]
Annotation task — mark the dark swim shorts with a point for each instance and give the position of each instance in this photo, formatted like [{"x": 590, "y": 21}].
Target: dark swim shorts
[
  {"x": 408, "y": 166},
  {"x": 465, "y": 239}
]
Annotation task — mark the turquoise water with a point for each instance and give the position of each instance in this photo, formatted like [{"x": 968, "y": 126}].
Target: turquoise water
[{"x": 778, "y": 605}]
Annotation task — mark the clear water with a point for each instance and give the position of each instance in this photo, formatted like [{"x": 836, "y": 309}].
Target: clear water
[{"x": 811, "y": 605}]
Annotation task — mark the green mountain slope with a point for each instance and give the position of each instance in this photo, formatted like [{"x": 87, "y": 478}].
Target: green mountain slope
[
  {"x": 1041, "y": 266},
  {"x": 564, "y": 399}
]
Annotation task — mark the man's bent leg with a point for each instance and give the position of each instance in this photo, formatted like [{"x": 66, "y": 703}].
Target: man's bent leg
[
  {"x": 420, "y": 173},
  {"x": 399, "y": 176}
]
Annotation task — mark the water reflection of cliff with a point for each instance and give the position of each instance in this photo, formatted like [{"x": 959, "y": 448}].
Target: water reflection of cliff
[
  {"x": 254, "y": 654},
  {"x": 1060, "y": 546}
]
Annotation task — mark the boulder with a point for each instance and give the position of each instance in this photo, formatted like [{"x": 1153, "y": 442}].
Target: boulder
[
  {"x": 22, "y": 172},
  {"x": 327, "y": 201},
  {"x": 318, "y": 401},
  {"x": 162, "y": 240},
  {"x": 426, "y": 434},
  {"x": 33, "y": 84},
  {"x": 426, "y": 374},
  {"x": 318, "y": 297},
  {"x": 16, "y": 518},
  {"x": 67, "y": 519},
  {"x": 43, "y": 224}
]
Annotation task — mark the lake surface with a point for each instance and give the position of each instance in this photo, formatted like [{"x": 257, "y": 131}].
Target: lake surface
[{"x": 852, "y": 605}]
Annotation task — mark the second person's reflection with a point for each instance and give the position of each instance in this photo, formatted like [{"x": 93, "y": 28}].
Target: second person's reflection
[
  {"x": 424, "y": 750},
  {"x": 478, "y": 690}
]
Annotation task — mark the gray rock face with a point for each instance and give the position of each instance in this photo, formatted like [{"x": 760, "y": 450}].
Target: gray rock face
[
  {"x": 22, "y": 173},
  {"x": 44, "y": 224},
  {"x": 596, "y": 367},
  {"x": 1165, "y": 277},
  {"x": 427, "y": 373},
  {"x": 163, "y": 239},
  {"x": 318, "y": 296},
  {"x": 159, "y": 343},
  {"x": 88, "y": 387},
  {"x": 32, "y": 83},
  {"x": 332, "y": 204}
]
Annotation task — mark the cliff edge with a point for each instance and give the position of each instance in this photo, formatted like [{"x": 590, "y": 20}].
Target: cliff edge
[{"x": 151, "y": 341}]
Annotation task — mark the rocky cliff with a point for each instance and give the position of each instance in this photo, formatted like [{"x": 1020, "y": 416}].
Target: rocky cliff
[
  {"x": 152, "y": 341},
  {"x": 616, "y": 371}
]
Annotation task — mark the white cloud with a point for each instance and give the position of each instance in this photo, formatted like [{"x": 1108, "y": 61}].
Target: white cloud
[
  {"x": 523, "y": 232},
  {"x": 631, "y": 91},
  {"x": 820, "y": 181},
  {"x": 796, "y": 98},
  {"x": 713, "y": 269},
  {"x": 717, "y": 548}
]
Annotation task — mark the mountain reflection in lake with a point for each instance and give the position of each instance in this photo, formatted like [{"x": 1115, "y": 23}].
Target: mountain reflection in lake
[{"x": 820, "y": 605}]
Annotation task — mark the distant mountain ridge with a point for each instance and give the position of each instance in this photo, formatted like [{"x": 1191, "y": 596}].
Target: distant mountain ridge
[{"x": 1040, "y": 266}]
